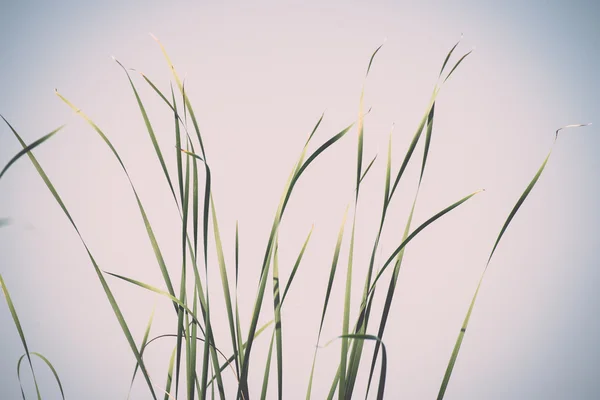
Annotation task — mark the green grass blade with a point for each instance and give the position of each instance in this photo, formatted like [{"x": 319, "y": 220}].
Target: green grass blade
[
  {"x": 364, "y": 318},
  {"x": 383, "y": 374},
  {"x": 185, "y": 97},
  {"x": 142, "y": 346},
  {"x": 388, "y": 169},
  {"x": 265, "y": 385},
  {"x": 170, "y": 374},
  {"x": 449, "y": 54},
  {"x": 457, "y": 64},
  {"x": 103, "y": 282},
  {"x": 332, "y": 271},
  {"x": 298, "y": 170},
  {"x": 224, "y": 280},
  {"x": 296, "y": 265},
  {"x": 346, "y": 317},
  {"x": 150, "y": 130},
  {"x": 29, "y": 148},
  {"x": 417, "y": 231},
  {"x": 15, "y": 317},
  {"x": 49, "y": 364},
  {"x": 510, "y": 217},
  {"x": 277, "y": 312},
  {"x": 400, "y": 256},
  {"x": 150, "y": 232},
  {"x": 238, "y": 328},
  {"x": 156, "y": 290},
  {"x": 367, "y": 169}
]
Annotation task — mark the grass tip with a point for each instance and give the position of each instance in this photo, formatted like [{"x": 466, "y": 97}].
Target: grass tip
[{"x": 571, "y": 126}]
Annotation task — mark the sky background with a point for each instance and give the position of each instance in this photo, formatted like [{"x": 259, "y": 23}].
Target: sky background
[{"x": 259, "y": 75}]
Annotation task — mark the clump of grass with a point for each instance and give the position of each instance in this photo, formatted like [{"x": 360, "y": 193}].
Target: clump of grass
[{"x": 191, "y": 190}]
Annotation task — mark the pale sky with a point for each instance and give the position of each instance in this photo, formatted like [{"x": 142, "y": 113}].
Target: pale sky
[{"x": 259, "y": 76}]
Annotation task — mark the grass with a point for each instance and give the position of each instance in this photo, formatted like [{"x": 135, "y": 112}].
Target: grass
[{"x": 197, "y": 365}]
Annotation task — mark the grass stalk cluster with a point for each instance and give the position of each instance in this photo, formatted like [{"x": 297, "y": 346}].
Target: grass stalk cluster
[{"x": 197, "y": 365}]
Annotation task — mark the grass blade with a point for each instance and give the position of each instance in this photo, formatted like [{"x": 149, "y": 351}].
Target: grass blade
[
  {"x": 142, "y": 346},
  {"x": 265, "y": 385},
  {"x": 510, "y": 217},
  {"x": 336, "y": 255},
  {"x": 277, "y": 312},
  {"x": 29, "y": 148},
  {"x": 15, "y": 317},
  {"x": 150, "y": 130}
]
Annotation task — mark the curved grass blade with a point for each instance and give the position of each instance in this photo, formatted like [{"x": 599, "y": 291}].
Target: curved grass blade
[
  {"x": 103, "y": 282},
  {"x": 15, "y": 317},
  {"x": 29, "y": 148},
  {"x": 510, "y": 217},
  {"x": 48, "y": 363}
]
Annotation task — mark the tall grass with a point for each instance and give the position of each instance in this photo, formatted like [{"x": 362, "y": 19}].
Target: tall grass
[{"x": 197, "y": 360}]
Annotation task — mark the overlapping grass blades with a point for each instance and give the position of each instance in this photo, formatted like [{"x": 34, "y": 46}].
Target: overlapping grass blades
[{"x": 107, "y": 291}]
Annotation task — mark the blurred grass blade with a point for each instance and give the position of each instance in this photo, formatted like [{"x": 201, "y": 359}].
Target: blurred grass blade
[
  {"x": 15, "y": 317},
  {"x": 510, "y": 217},
  {"x": 29, "y": 148}
]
